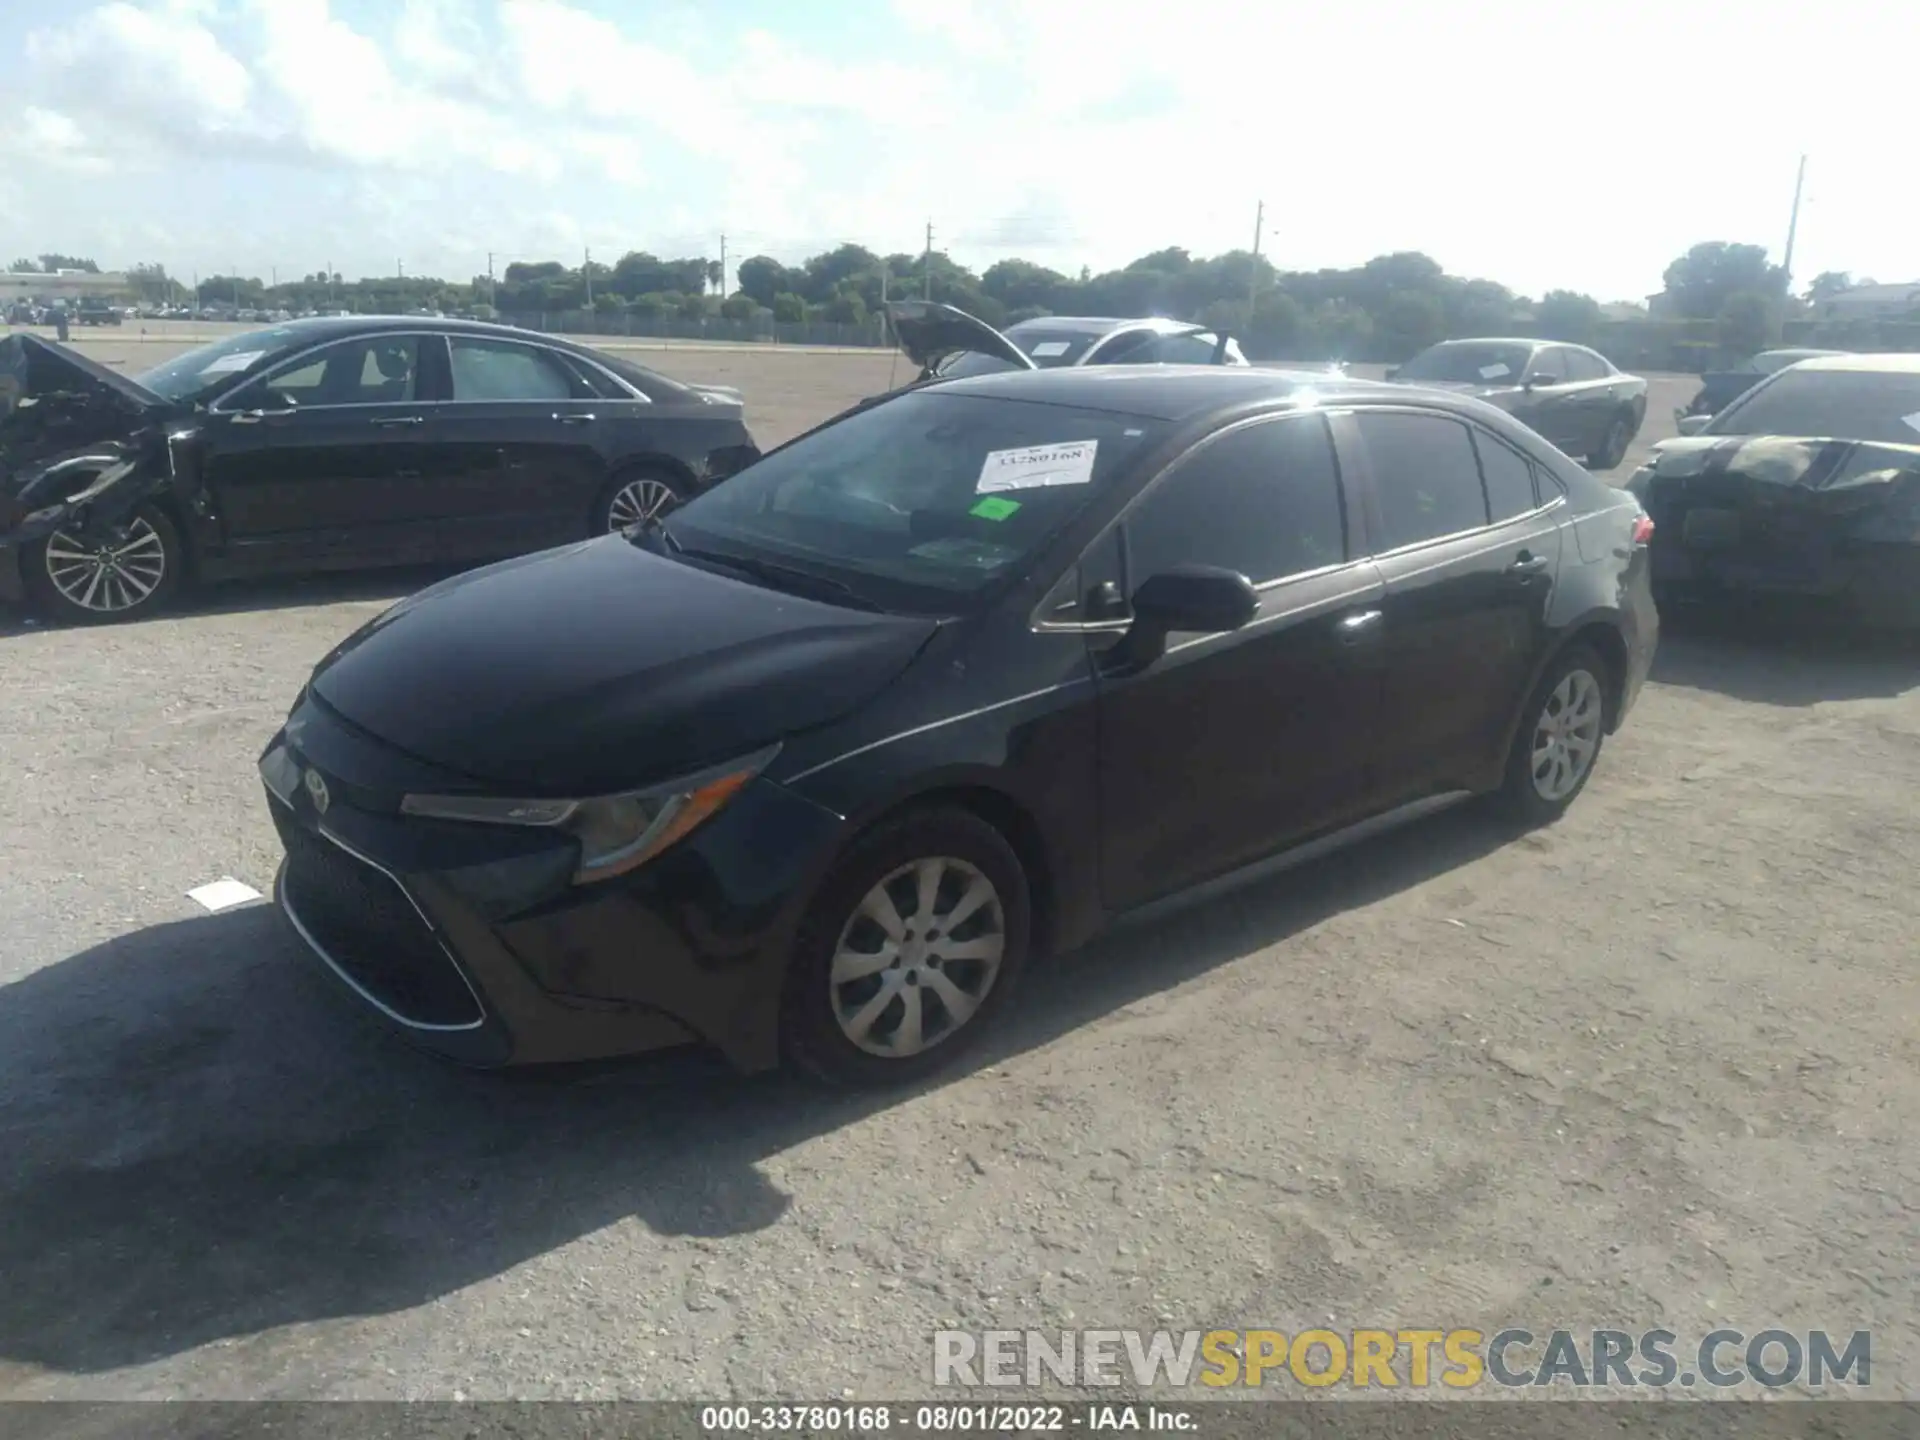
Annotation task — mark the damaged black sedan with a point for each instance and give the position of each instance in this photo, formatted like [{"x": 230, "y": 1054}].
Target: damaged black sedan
[
  {"x": 1806, "y": 486},
  {"x": 332, "y": 444}
]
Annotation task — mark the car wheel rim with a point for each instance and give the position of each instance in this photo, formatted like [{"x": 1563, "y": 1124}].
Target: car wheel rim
[
  {"x": 1566, "y": 736},
  {"x": 918, "y": 957},
  {"x": 118, "y": 574},
  {"x": 1617, "y": 440},
  {"x": 639, "y": 502}
]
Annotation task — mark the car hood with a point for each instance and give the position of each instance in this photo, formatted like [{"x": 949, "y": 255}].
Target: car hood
[
  {"x": 61, "y": 410},
  {"x": 602, "y": 666},
  {"x": 1821, "y": 476},
  {"x": 928, "y": 333}
]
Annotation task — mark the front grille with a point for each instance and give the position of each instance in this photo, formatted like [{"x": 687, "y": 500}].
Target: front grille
[{"x": 369, "y": 929}]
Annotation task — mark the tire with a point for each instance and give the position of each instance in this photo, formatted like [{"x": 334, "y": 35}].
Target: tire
[
  {"x": 640, "y": 492},
  {"x": 60, "y": 572},
  {"x": 820, "y": 1016},
  {"x": 1613, "y": 445},
  {"x": 1529, "y": 797}
]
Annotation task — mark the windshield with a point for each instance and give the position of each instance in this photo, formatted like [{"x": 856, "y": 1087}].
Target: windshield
[
  {"x": 191, "y": 374},
  {"x": 1828, "y": 405},
  {"x": 919, "y": 502},
  {"x": 1469, "y": 363}
]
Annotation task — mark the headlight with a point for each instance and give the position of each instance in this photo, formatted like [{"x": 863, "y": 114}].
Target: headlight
[{"x": 617, "y": 833}]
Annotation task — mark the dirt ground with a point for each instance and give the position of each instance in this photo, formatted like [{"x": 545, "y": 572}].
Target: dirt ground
[{"x": 1655, "y": 1067}]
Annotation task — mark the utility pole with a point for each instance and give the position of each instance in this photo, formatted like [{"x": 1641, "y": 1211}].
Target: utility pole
[
  {"x": 1793, "y": 227},
  {"x": 1253, "y": 269},
  {"x": 926, "y": 262},
  {"x": 493, "y": 290},
  {"x": 235, "y": 271},
  {"x": 586, "y": 273},
  {"x": 723, "y": 265}
]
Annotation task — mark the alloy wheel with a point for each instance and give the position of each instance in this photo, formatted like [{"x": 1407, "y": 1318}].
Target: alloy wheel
[
  {"x": 112, "y": 576},
  {"x": 1566, "y": 736},
  {"x": 637, "y": 502},
  {"x": 917, "y": 958}
]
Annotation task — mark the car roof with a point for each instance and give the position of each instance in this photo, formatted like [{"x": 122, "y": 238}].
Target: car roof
[
  {"x": 1170, "y": 392},
  {"x": 1893, "y": 364},
  {"x": 1096, "y": 324},
  {"x": 1527, "y": 340},
  {"x": 322, "y": 327}
]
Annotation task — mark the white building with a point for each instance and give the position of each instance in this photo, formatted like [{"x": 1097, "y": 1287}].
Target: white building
[
  {"x": 1873, "y": 302},
  {"x": 61, "y": 285}
]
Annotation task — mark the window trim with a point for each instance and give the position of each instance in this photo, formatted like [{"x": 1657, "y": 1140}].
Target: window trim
[
  {"x": 1118, "y": 520},
  {"x": 218, "y": 405}
]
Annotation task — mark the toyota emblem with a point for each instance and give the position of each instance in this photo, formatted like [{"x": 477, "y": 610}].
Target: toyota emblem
[{"x": 317, "y": 788}]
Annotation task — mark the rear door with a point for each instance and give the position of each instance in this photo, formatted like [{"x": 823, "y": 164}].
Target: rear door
[
  {"x": 1231, "y": 747},
  {"x": 1590, "y": 402},
  {"x": 525, "y": 433},
  {"x": 1469, "y": 554},
  {"x": 327, "y": 459}
]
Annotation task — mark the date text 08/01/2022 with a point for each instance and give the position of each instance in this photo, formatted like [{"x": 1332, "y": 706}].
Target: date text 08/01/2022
[{"x": 942, "y": 1419}]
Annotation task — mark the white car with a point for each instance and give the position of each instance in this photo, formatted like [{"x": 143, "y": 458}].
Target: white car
[{"x": 947, "y": 343}]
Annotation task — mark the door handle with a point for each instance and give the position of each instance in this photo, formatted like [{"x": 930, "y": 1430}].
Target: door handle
[
  {"x": 574, "y": 419},
  {"x": 399, "y": 422},
  {"x": 1358, "y": 627},
  {"x": 1526, "y": 565}
]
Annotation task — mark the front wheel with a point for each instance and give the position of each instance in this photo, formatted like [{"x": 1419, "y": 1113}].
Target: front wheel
[
  {"x": 636, "y": 496},
  {"x": 1558, "y": 743},
  {"x": 910, "y": 950},
  {"x": 121, "y": 573}
]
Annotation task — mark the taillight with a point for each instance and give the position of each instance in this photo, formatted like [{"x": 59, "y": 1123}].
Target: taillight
[{"x": 1643, "y": 530}]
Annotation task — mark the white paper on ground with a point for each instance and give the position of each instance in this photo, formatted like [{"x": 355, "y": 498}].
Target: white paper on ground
[
  {"x": 1494, "y": 372},
  {"x": 1034, "y": 466},
  {"x": 223, "y": 894}
]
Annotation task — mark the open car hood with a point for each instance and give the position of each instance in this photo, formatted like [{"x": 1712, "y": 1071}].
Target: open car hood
[
  {"x": 1826, "y": 477},
  {"x": 55, "y": 403},
  {"x": 928, "y": 333}
]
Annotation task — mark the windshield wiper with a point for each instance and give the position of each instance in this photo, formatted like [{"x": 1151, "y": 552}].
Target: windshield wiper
[{"x": 780, "y": 577}]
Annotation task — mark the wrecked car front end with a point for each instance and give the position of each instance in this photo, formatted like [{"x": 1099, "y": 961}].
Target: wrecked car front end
[
  {"x": 1820, "y": 518},
  {"x": 81, "y": 448}
]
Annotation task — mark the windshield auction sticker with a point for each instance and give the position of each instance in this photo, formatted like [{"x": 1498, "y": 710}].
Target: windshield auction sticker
[{"x": 1036, "y": 466}]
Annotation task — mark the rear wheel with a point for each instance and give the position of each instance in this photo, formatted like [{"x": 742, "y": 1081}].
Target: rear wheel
[
  {"x": 911, "y": 949},
  {"x": 1558, "y": 743},
  {"x": 121, "y": 573},
  {"x": 636, "y": 496}
]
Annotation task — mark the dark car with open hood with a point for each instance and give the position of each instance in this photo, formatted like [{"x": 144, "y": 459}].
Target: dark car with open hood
[
  {"x": 332, "y": 444},
  {"x": 1570, "y": 396},
  {"x": 811, "y": 767},
  {"x": 1806, "y": 486}
]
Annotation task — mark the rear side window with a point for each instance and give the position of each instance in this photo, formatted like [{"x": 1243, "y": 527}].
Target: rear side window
[
  {"x": 1263, "y": 500},
  {"x": 492, "y": 370},
  {"x": 1509, "y": 478},
  {"x": 1426, "y": 474}
]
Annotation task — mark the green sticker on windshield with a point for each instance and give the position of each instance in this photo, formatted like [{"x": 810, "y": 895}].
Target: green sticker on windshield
[{"x": 995, "y": 507}]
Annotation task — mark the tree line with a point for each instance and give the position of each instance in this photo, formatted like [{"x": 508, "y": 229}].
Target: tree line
[{"x": 1387, "y": 309}]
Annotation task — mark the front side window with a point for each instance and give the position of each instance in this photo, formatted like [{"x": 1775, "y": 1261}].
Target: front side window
[
  {"x": 921, "y": 501},
  {"x": 502, "y": 370},
  {"x": 1263, "y": 501},
  {"x": 1550, "y": 365},
  {"x": 1426, "y": 475},
  {"x": 371, "y": 370}
]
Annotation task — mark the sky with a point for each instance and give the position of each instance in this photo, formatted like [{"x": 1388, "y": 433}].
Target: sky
[{"x": 1541, "y": 145}]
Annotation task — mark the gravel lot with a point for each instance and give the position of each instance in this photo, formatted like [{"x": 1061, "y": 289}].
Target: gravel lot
[{"x": 1655, "y": 1067}]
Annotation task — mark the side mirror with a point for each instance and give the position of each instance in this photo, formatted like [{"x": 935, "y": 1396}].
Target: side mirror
[
  {"x": 1200, "y": 599},
  {"x": 1693, "y": 424},
  {"x": 1540, "y": 379}
]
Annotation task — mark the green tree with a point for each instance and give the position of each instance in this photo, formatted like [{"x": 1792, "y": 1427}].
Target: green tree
[
  {"x": 1747, "y": 322},
  {"x": 51, "y": 263},
  {"x": 739, "y": 307},
  {"x": 1828, "y": 284},
  {"x": 23, "y": 266},
  {"x": 1701, "y": 281},
  {"x": 1022, "y": 285},
  {"x": 788, "y": 308},
  {"x": 762, "y": 277},
  {"x": 1567, "y": 315}
]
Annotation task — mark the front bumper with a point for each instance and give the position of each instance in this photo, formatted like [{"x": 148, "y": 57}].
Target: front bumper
[{"x": 472, "y": 942}]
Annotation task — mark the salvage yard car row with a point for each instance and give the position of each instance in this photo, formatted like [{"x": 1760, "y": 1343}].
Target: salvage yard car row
[{"x": 972, "y": 672}]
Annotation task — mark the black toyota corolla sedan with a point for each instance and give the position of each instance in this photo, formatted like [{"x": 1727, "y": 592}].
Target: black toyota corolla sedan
[
  {"x": 332, "y": 444},
  {"x": 811, "y": 768}
]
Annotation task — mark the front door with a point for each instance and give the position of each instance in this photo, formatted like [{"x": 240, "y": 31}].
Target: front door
[
  {"x": 1232, "y": 747},
  {"x": 1545, "y": 405},
  {"x": 329, "y": 460},
  {"x": 1590, "y": 403},
  {"x": 1469, "y": 555}
]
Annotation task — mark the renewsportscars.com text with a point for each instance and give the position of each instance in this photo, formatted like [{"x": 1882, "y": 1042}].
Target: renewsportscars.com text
[{"x": 1414, "y": 1359}]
